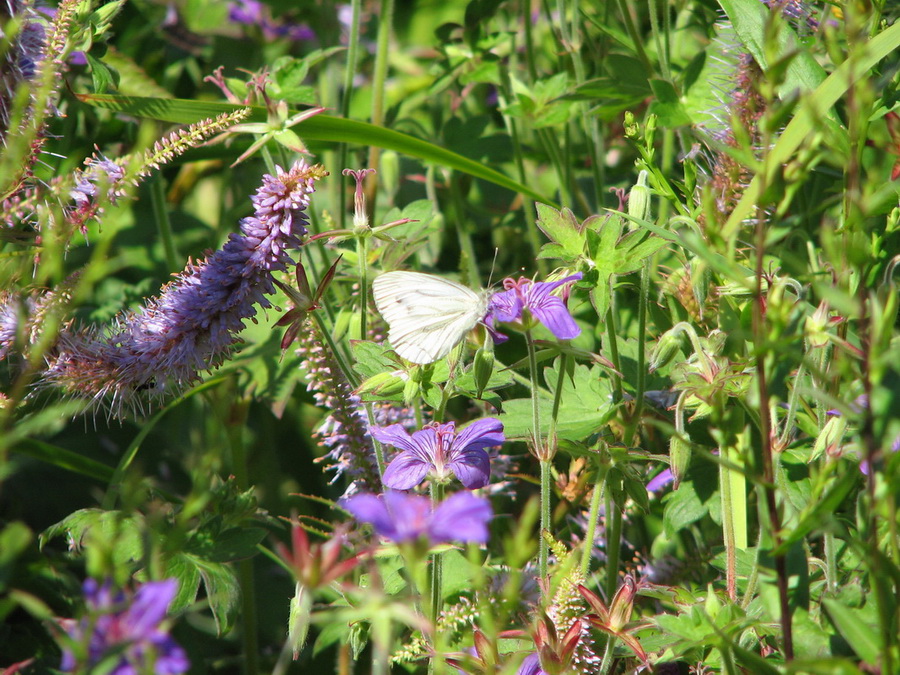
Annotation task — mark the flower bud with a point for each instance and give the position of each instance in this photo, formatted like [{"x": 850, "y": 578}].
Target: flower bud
[
  {"x": 816, "y": 325},
  {"x": 631, "y": 128},
  {"x": 665, "y": 350},
  {"x": 410, "y": 391},
  {"x": 383, "y": 385},
  {"x": 483, "y": 369},
  {"x": 679, "y": 457},
  {"x": 639, "y": 200}
]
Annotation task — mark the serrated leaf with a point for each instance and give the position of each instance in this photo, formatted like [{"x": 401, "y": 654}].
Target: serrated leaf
[
  {"x": 371, "y": 358},
  {"x": 586, "y": 401},
  {"x": 223, "y": 592},
  {"x": 182, "y": 568},
  {"x": 123, "y": 534},
  {"x": 562, "y": 228}
]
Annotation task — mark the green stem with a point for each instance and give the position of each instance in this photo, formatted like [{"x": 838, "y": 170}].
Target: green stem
[
  {"x": 249, "y": 619},
  {"x": 379, "y": 76},
  {"x": 163, "y": 223},
  {"x": 437, "y": 589},
  {"x": 607, "y": 661},
  {"x": 557, "y": 399},
  {"x": 613, "y": 545},
  {"x": 593, "y": 517},
  {"x": 346, "y": 96},
  {"x": 539, "y": 450},
  {"x": 614, "y": 352},
  {"x": 636, "y": 39},
  {"x": 530, "y": 214},
  {"x": 544, "y": 551},
  {"x": 634, "y": 422},
  {"x": 362, "y": 248},
  {"x": 728, "y": 525},
  {"x": 529, "y": 40}
]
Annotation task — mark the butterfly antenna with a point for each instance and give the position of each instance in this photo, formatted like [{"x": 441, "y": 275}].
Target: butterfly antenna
[{"x": 493, "y": 265}]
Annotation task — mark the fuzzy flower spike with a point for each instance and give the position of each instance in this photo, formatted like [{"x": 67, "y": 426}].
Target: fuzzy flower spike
[
  {"x": 193, "y": 324},
  {"x": 526, "y": 298},
  {"x": 438, "y": 451}
]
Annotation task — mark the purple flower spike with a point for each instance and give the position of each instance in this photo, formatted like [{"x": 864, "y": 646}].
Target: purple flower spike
[
  {"x": 193, "y": 324},
  {"x": 437, "y": 450},
  {"x": 403, "y": 517},
  {"x": 128, "y": 627},
  {"x": 536, "y": 297}
]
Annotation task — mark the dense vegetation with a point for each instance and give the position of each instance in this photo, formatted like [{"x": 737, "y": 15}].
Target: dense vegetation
[{"x": 234, "y": 439}]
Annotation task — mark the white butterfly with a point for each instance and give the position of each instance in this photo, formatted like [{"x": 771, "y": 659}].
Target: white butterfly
[{"x": 427, "y": 315}]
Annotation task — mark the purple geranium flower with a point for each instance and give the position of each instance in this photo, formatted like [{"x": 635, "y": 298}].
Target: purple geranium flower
[
  {"x": 537, "y": 298},
  {"x": 127, "y": 627},
  {"x": 531, "y": 666},
  {"x": 438, "y": 450},
  {"x": 660, "y": 481},
  {"x": 400, "y": 517}
]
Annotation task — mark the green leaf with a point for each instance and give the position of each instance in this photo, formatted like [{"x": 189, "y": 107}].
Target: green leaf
[
  {"x": 823, "y": 666},
  {"x": 331, "y": 633},
  {"x": 236, "y": 543},
  {"x": 667, "y": 106},
  {"x": 15, "y": 538},
  {"x": 64, "y": 459},
  {"x": 457, "y": 574},
  {"x": 562, "y": 228},
  {"x": 102, "y": 75},
  {"x": 223, "y": 592},
  {"x": 319, "y": 128},
  {"x": 182, "y": 568},
  {"x": 851, "y": 624},
  {"x": 822, "y": 510},
  {"x": 682, "y": 507},
  {"x": 371, "y": 358},
  {"x": 122, "y": 534},
  {"x": 586, "y": 401}
]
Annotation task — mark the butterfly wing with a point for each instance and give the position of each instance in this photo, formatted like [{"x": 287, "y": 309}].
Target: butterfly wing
[{"x": 426, "y": 315}]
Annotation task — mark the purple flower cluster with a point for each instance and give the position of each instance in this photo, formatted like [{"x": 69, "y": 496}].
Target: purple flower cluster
[
  {"x": 98, "y": 172},
  {"x": 193, "y": 324},
  {"x": 254, "y": 13},
  {"x": 438, "y": 451},
  {"x": 403, "y": 517},
  {"x": 129, "y": 628},
  {"x": 525, "y": 298}
]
